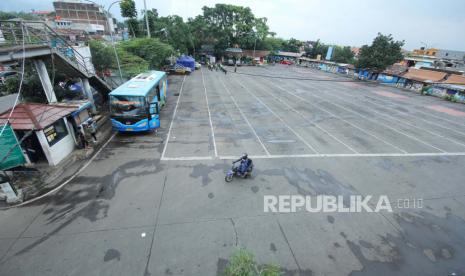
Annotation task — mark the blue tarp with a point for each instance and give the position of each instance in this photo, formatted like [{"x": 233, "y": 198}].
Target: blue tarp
[{"x": 186, "y": 61}]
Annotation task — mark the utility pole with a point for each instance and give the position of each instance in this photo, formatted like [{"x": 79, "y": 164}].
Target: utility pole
[{"x": 146, "y": 19}]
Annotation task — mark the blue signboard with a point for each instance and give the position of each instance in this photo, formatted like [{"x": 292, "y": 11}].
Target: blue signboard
[{"x": 329, "y": 53}]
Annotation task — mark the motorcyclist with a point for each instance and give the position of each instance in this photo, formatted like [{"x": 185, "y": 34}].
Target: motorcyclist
[{"x": 245, "y": 164}]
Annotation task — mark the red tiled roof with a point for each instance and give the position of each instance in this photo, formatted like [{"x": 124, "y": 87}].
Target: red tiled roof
[
  {"x": 455, "y": 79},
  {"x": 27, "y": 116},
  {"x": 424, "y": 75}
]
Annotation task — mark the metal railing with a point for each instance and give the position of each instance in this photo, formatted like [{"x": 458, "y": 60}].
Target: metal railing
[{"x": 40, "y": 34}]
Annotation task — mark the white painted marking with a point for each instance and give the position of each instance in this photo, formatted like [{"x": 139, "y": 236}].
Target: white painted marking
[
  {"x": 322, "y": 155},
  {"x": 69, "y": 179},
  {"x": 209, "y": 114},
  {"x": 393, "y": 118},
  {"x": 341, "y": 119},
  {"x": 417, "y": 117},
  {"x": 172, "y": 119},
  {"x": 376, "y": 122},
  {"x": 279, "y": 118},
  {"x": 245, "y": 118},
  {"x": 187, "y": 158},
  {"x": 306, "y": 119}
]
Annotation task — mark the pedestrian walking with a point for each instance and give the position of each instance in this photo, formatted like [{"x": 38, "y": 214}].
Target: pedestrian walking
[{"x": 235, "y": 67}]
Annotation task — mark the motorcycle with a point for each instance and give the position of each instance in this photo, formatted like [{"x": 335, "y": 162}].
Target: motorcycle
[{"x": 234, "y": 171}]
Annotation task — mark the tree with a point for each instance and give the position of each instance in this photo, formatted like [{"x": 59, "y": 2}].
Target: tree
[
  {"x": 128, "y": 10},
  {"x": 273, "y": 44},
  {"x": 343, "y": 54},
  {"x": 131, "y": 64},
  {"x": 383, "y": 52},
  {"x": 227, "y": 26},
  {"x": 103, "y": 57},
  {"x": 318, "y": 49},
  {"x": 151, "y": 50}
]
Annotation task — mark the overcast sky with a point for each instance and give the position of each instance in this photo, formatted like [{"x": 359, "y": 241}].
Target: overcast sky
[{"x": 439, "y": 24}]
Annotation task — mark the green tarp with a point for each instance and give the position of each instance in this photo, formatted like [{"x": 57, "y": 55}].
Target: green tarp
[{"x": 7, "y": 141}]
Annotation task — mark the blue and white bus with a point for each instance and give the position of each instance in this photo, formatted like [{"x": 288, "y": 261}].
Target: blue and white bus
[{"x": 135, "y": 105}]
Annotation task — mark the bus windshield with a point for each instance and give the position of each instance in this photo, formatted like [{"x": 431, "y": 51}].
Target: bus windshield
[{"x": 127, "y": 105}]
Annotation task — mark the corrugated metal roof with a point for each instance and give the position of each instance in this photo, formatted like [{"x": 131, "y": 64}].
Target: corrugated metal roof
[
  {"x": 424, "y": 75},
  {"x": 27, "y": 116},
  {"x": 455, "y": 79}
]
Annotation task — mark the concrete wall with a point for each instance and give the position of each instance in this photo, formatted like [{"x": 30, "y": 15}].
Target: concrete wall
[{"x": 59, "y": 151}]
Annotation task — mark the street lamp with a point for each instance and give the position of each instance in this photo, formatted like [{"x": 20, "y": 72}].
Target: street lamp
[
  {"x": 146, "y": 19},
  {"x": 111, "y": 33},
  {"x": 113, "y": 43}
]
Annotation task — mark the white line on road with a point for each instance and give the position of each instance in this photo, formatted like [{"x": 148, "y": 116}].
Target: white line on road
[
  {"x": 186, "y": 158},
  {"x": 279, "y": 118},
  {"x": 245, "y": 118},
  {"x": 341, "y": 119},
  {"x": 172, "y": 119},
  {"x": 315, "y": 124},
  {"x": 318, "y": 155},
  {"x": 411, "y": 124},
  {"x": 376, "y": 122},
  {"x": 209, "y": 114}
]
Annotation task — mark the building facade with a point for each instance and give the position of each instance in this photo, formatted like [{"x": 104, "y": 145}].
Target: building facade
[{"x": 84, "y": 16}]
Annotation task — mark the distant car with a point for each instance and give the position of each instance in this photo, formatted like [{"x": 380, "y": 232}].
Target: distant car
[
  {"x": 179, "y": 69},
  {"x": 286, "y": 62},
  {"x": 230, "y": 62},
  {"x": 197, "y": 65}
]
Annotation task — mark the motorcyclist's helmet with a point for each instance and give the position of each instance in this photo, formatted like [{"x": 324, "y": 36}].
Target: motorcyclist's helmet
[{"x": 244, "y": 156}]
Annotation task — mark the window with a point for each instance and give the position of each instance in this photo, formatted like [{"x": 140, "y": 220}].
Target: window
[
  {"x": 55, "y": 132},
  {"x": 127, "y": 105}
]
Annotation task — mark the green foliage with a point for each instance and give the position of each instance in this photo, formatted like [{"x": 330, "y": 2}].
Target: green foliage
[
  {"x": 228, "y": 25},
  {"x": 131, "y": 64},
  {"x": 134, "y": 27},
  {"x": 11, "y": 85},
  {"x": 103, "y": 56},
  {"x": 128, "y": 8},
  {"x": 174, "y": 31},
  {"x": 342, "y": 54},
  {"x": 271, "y": 44},
  {"x": 243, "y": 263},
  {"x": 383, "y": 52},
  {"x": 22, "y": 15},
  {"x": 292, "y": 45},
  {"x": 318, "y": 49},
  {"x": 150, "y": 50}
]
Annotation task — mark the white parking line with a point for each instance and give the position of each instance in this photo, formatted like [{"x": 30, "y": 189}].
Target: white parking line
[
  {"x": 245, "y": 118},
  {"x": 187, "y": 158},
  {"x": 279, "y": 118},
  {"x": 209, "y": 114},
  {"x": 318, "y": 155},
  {"x": 370, "y": 119},
  {"x": 392, "y": 117},
  {"x": 172, "y": 119},
  {"x": 315, "y": 124},
  {"x": 340, "y": 118}
]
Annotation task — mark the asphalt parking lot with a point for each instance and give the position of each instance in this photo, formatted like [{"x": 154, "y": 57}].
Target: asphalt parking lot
[{"x": 157, "y": 204}]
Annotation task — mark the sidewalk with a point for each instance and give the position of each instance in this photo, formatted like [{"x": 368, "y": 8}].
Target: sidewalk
[{"x": 41, "y": 178}]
